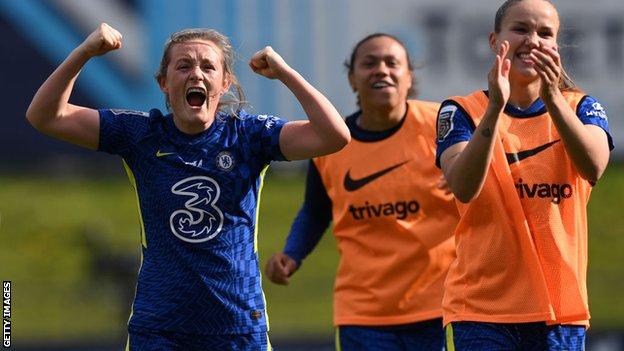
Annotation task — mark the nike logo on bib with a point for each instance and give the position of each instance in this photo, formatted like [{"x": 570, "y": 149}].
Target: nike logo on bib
[
  {"x": 355, "y": 184},
  {"x": 517, "y": 157}
]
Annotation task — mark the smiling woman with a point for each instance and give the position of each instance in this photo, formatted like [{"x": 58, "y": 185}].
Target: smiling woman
[
  {"x": 197, "y": 173},
  {"x": 389, "y": 207},
  {"x": 529, "y": 150}
]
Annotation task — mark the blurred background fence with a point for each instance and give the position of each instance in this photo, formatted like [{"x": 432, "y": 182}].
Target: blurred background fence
[{"x": 68, "y": 220}]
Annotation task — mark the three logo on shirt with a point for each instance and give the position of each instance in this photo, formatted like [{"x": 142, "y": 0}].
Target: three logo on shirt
[{"x": 200, "y": 220}]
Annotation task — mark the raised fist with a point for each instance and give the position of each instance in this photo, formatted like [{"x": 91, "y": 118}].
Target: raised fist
[{"x": 104, "y": 39}]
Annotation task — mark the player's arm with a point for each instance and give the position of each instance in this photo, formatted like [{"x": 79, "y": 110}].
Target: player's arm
[
  {"x": 587, "y": 145},
  {"x": 50, "y": 111},
  {"x": 465, "y": 164},
  {"x": 306, "y": 231},
  {"x": 325, "y": 131}
]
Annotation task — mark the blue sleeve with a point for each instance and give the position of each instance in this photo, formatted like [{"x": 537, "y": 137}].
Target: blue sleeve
[
  {"x": 590, "y": 111},
  {"x": 453, "y": 126},
  {"x": 262, "y": 133},
  {"x": 119, "y": 129},
  {"x": 312, "y": 220}
]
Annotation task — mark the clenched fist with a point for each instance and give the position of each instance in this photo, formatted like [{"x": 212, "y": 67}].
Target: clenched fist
[
  {"x": 268, "y": 63},
  {"x": 280, "y": 267},
  {"x": 104, "y": 39}
]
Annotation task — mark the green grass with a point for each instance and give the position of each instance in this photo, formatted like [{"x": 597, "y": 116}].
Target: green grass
[
  {"x": 606, "y": 243},
  {"x": 43, "y": 251},
  {"x": 304, "y": 307}
]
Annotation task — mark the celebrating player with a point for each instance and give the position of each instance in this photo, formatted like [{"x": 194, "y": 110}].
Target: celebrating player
[
  {"x": 521, "y": 158},
  {"x": 393, "y": 218},
  {"x": 197, "y": 174}
]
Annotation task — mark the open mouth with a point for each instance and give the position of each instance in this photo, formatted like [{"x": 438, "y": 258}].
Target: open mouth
[
  {"x": 195, "y": 96},
  {"x": 525, "y": 57},
  {"x": 381, "y": 85}
]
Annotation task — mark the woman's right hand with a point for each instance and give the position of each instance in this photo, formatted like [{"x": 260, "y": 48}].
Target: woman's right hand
[
  {"x": 104, "y": 39},
  {"x": 50, "y": 111},
  {"x": 280, "y": 267},
  {"x": 498, "y": 78}
]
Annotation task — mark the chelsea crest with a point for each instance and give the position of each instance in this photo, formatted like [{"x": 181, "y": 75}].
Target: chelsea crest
[{"x": 225, "y": 161}]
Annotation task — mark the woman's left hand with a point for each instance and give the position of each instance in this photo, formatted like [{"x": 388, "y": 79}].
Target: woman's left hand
[
  {"x": 548, "y": 66},
  {"x": 268, "y": 63},
  {"x": 443, "y": 185}
]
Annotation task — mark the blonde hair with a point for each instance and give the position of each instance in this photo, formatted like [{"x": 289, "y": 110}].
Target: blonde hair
[{"x": 565, "y": 82}]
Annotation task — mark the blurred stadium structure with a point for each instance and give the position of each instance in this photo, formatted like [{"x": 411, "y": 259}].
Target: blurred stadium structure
[{"x": 448, "y": 37}]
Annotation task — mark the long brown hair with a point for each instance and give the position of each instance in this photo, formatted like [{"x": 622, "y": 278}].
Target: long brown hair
[{"x": 221, "y": 41}]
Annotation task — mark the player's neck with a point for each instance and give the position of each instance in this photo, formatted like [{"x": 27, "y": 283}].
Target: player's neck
[
  {"x": 380, "y": 119},
  {"x": 523, "y": 95},
  {"x": 193, "y": 126}
]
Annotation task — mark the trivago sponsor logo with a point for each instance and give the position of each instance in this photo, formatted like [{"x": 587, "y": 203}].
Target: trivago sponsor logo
[
  {"x": 554, "y": 191},
  {"x": 399, "y": 209}
]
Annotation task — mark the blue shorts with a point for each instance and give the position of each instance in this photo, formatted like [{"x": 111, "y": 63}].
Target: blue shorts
[
  {"x": 140, "y": 340},
  {"x": 427, "y": 335},
  {"x": 483, "y": 336}
]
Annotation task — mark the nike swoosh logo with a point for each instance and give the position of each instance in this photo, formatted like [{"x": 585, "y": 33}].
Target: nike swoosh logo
[
  {"x": 355, "y": 184},
  {"x": 517, "y": 157},
  {"x": 161, "y": 154}
]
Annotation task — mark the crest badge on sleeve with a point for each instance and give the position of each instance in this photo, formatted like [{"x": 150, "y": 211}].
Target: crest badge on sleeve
[{"x": 445, "y": 121}]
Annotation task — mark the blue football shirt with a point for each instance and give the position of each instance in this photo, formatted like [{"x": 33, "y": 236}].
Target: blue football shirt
[{"x": 198, "y": 197}]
